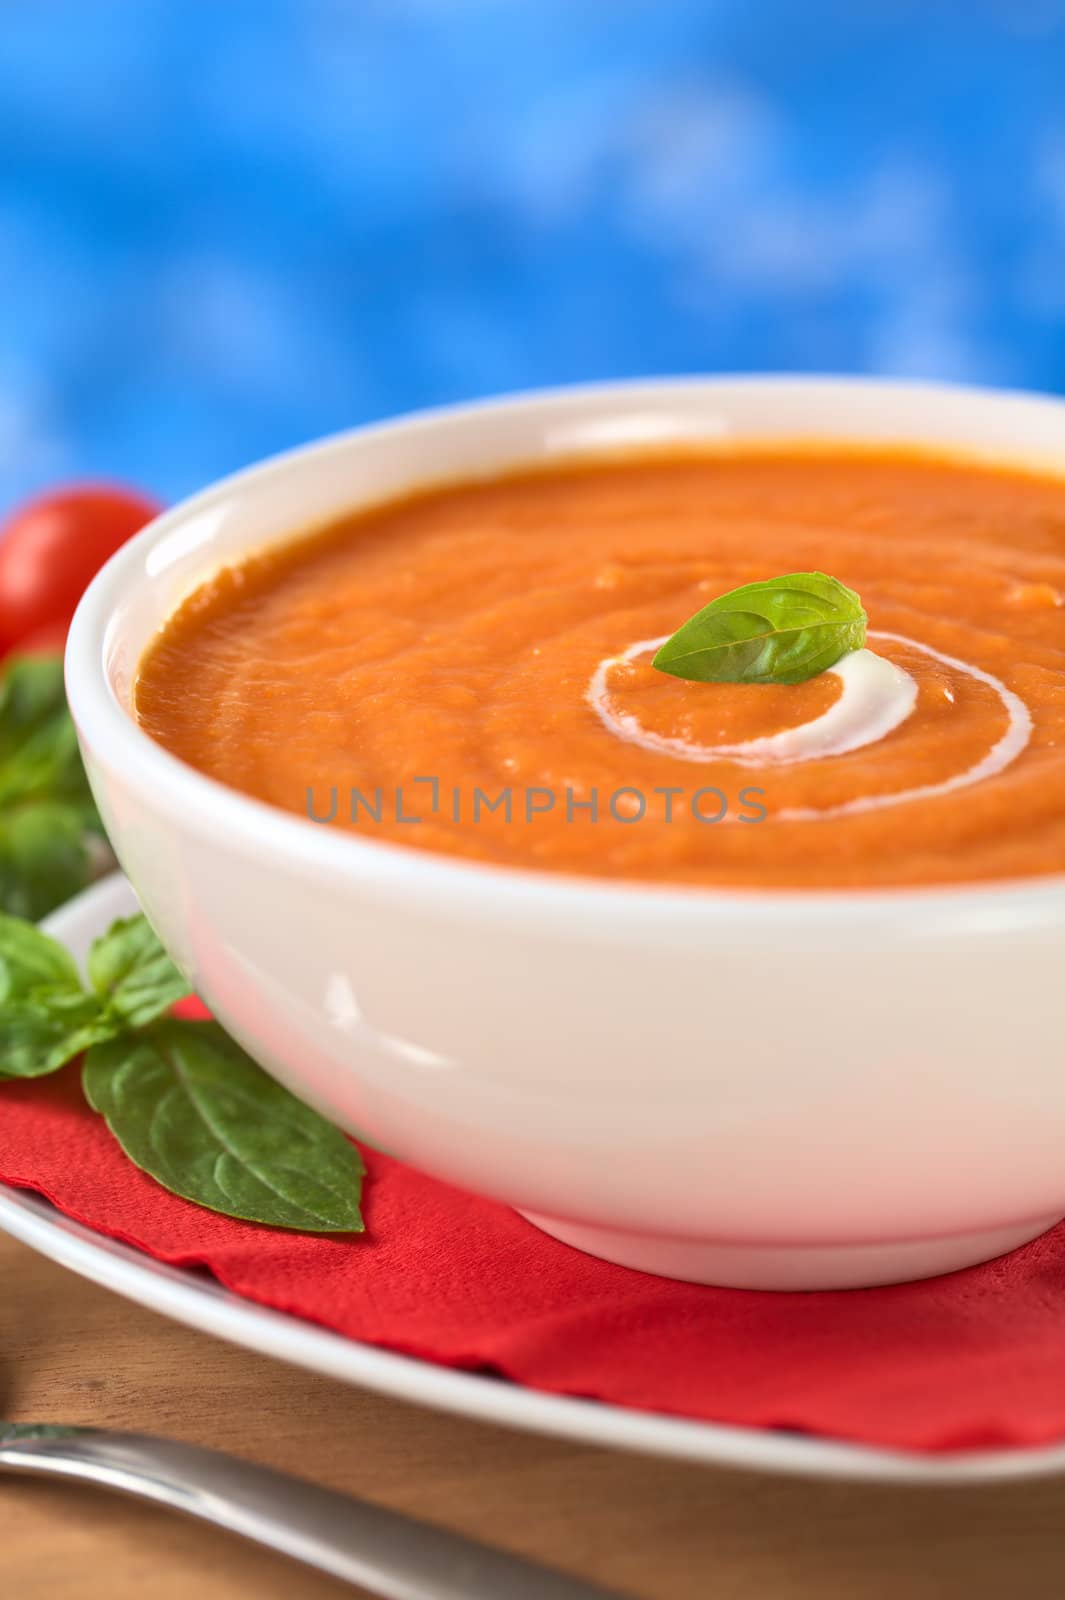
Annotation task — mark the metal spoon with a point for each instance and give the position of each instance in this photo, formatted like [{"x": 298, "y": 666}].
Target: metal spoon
[{"x": 389, "y": 1554}]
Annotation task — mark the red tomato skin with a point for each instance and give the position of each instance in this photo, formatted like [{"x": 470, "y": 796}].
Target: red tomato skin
[
  {"x": 50, "y": 640},
  {"x": 53, "y": 545}
]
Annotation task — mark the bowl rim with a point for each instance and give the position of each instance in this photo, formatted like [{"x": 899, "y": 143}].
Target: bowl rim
[{"x": 476, "y": 889}]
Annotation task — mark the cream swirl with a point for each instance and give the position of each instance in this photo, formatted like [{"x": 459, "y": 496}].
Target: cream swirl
[{"x": 876, "y": 697}]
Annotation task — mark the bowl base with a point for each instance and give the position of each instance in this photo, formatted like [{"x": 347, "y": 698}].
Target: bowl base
[{"x": 788, "y": 1267}]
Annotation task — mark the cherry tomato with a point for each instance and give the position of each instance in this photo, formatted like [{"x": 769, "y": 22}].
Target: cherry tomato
[
  {"x": 50, "y": 640},
  {"x": 53, "y": 545}
]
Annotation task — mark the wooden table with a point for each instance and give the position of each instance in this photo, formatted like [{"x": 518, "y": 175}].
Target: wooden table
[{"x": 72, "y": 1352}]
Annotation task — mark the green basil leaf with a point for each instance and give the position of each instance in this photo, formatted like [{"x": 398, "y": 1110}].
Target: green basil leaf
[
  {"x": 46, "y": 856},
  {"x": 38, "y": 1036},
  {"x": 192, "y": 1110},
  {"x": 784, "y": 630},
  {"x": 39, "y": 756},
  {"x": 31, "y": 962},
  {"x": 31, "y": 691},
  {"x": 47, "y": 814},
  {"x": 46, "y": 1018},
  {"x": 130, "y": 970},
  {"x": 46, "y": 765}
]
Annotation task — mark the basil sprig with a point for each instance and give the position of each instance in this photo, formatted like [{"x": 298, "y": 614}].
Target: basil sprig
[
  {"x": 184, "y": 1101},
  {"x": 783, "y": 630},
  {"x": 51, "y": 841},
  {"x": 187, "y": 1105}
]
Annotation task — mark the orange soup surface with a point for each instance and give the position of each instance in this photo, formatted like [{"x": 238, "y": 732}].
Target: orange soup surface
[{"x": 469, "y": 672}]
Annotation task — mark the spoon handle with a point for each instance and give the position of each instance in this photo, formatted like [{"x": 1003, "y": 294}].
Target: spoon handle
[{"x": 391, "y": 1555}]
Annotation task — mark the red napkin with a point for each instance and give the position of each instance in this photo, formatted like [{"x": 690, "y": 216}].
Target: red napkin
[{"x": 976, "y": 1358}]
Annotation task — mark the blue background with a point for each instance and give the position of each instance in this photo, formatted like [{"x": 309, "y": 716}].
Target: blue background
[{"x": 227, "y": 227}]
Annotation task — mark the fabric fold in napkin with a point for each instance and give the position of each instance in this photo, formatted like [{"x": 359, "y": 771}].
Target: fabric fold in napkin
[{"x": 973, "y": 1359}]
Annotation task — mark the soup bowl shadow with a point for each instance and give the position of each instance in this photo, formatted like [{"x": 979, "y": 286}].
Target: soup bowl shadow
[{"x": 770, "y": 1090}]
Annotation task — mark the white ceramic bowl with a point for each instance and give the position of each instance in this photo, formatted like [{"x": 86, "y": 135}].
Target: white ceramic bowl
[{"x": 772, "y": 1090}]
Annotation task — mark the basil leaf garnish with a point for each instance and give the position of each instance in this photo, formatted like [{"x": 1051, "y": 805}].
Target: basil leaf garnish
[
  {"x": 184, "y": 1101},
  {"x": 31, "y": 692},
  {"x": 32, "y": 961},
  {"x": 46, "y": 1018},
  {"x": 192, "y": 1110},
  {"x": 46, "y": 856},
  {"x": 36, "y": 1039},
  {"x": 132, "y": 973},
  {"x": 39, "y": 756},
  {"x": 783, "y": 630},
  {"x": 47, "y": 816}
]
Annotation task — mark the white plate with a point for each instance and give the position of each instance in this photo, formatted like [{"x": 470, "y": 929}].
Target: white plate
[{"x": 194, "y": 1300}]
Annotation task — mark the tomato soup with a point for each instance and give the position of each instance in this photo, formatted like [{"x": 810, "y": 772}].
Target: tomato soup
[{"x": 468, "y": 671}]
